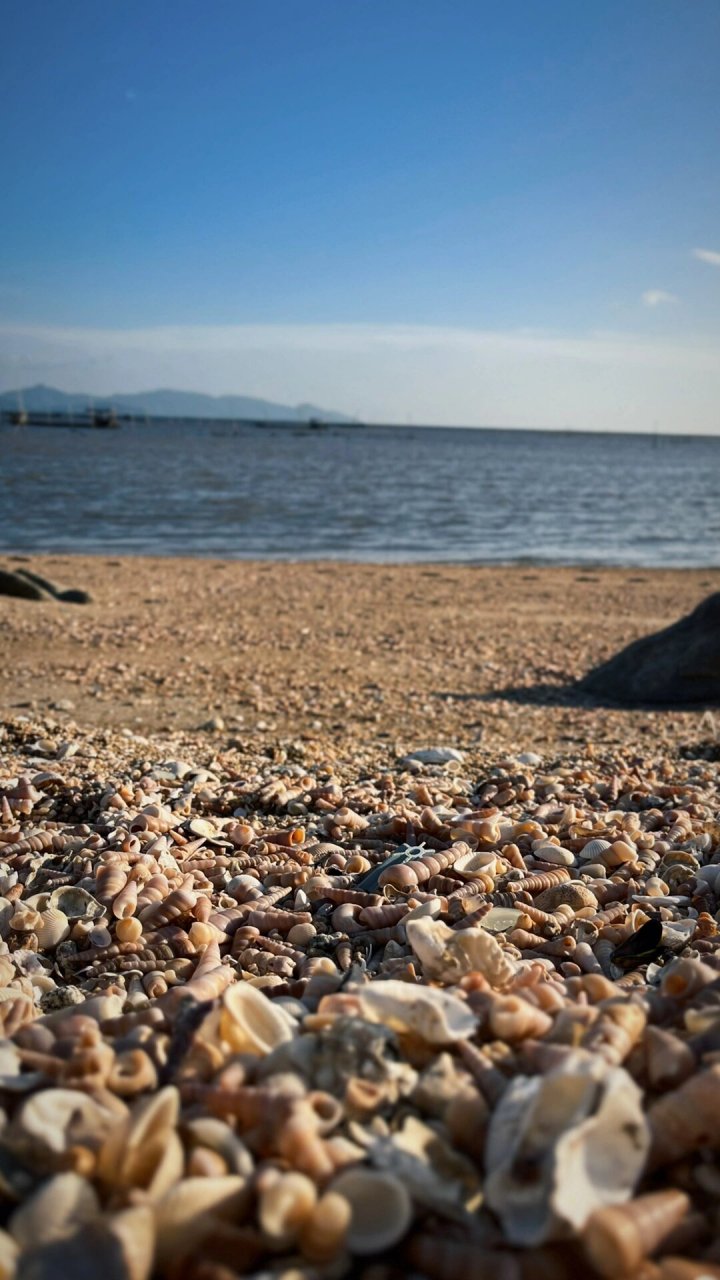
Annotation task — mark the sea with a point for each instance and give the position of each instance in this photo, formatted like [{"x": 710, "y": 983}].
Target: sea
[{"x": 370, "y": 493}]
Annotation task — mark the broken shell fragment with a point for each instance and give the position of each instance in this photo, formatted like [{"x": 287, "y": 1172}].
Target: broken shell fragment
[{"x": 561, "y": 1145}]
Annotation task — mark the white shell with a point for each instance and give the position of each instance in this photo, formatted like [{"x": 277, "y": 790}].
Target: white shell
[
  {"x": 77, "y": 903},
  {"x": 593, "y": 849},
  {"x": 381, "y": 1209},
  {"x": 447, "y": 954},
  {"x": 435, "y": 755},
  {"x": 436, "y": 1016},
  {"x": 53, "y": 929},
  {"x": 561, "y": 1145},
  {"x": 472, "y": 865},
  {"x": 554, "y": 853},
  {"x": 251, "y": 1023}
]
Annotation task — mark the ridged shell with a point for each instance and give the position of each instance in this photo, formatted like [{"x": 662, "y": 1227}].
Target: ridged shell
[
  {"x": 593, "y": 850},
  {"x": 53, "y": 929}
]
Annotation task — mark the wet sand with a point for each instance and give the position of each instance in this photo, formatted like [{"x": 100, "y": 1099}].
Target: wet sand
[{"x": 387, "y": 654}]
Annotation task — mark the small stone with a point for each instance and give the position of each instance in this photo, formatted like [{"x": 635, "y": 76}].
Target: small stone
[
  {"x": 64, "y": 704},
  {"x": 214, "y": 725},
  {"x": 434, "y": 755},
  {"x": 61, "y": 998}
]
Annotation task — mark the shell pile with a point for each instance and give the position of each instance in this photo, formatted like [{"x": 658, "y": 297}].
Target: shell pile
[{"x": 288, "y": 1015}]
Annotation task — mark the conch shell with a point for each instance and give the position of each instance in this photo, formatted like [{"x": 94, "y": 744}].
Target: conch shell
[{"x": 562, "y": 1145}]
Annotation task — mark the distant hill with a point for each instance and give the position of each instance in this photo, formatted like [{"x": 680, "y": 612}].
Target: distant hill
[{"x": 165, "y": 404}]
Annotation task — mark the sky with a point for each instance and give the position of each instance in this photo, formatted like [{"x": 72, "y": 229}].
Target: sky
[{"x": 442, "y": 211}]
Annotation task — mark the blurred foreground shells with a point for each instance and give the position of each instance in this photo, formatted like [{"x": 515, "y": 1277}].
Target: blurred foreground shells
[{"x": 285, "y": 1015}]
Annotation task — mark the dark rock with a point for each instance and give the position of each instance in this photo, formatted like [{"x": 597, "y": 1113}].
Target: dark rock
[
  {"x": 75, "y": 595},
  {"x": 679, "y": 666},
  {"x": 31, "y": 586},
  {"x": 13, "y": 584}
]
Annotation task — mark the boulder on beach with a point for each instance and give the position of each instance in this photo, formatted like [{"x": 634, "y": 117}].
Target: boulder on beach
[{"x": 679, "y": 666}]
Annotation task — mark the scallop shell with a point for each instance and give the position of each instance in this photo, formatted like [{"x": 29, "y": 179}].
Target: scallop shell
[
  {"x": 593, "y": 850},
  {"x": 251, "y": 1023},
  {"x": 53, "y": 929},
  {"x": 561, "y": 1145},
  {"x": 381, "y": 1209},
  {"x": 438, "y": 1017}
]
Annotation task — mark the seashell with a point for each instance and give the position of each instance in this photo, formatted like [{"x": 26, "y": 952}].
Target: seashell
[
  {"x": 471, "y": 865},
  {"x": 686, "y": 1119},
  {"x": 438, "y": 1017},
  {"x": 618, "y": 1237},
  {"x": 186, "y": 1216},
  {"x": 500, "y": 919},
  {"x": 53, "y": 929},
  {"x": 217, "y": 1136},
  {"x": 434, "y": 1173},
  {"x": 616, "y": 1031},
  {"x": 447, "y": 954},
  {"x": 134, "y": 1231},
  {"x": 323, "y": 1234},
  {"x": 8, "y": 1256},
  {"x": 58, "y": 1207},
  {"x": 251, "y": 1023},
  {"x": 512, "y": 1018},
  {"x": 685, "y": 976},
  {"x": 546, "y": 852},
  {"x": 593, "y": 850},
  {"x": 285, "y": 1201},
  {"x": 380, "y": 1209},
  {"x": 668, "y": 1060},
  {"x": 53, "y": 1120},
  {"x": 76, "y": 903},
  {"x": 561, "y": 1145}
]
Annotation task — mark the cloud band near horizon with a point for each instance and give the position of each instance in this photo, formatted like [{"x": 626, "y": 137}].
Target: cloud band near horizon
[{"x": 388, "y": 372}]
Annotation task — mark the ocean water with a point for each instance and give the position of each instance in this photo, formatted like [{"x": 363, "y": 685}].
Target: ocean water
[{"x": 372, "y": 493}]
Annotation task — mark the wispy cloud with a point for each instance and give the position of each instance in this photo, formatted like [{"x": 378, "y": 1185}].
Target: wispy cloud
[
  {"x": 657, "y": 297},
  {"x": 708, "y": 255}
]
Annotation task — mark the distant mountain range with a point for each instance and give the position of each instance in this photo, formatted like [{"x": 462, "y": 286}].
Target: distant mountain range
[{"x": 165, "y": 404}]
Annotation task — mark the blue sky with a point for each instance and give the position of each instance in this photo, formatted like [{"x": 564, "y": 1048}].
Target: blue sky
[{"x": 439, "y": 209}]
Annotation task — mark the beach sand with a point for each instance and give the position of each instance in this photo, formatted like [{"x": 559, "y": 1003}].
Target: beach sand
[
  {"x": 385, "y": 654},
  {"x": 223, "y": 949}
]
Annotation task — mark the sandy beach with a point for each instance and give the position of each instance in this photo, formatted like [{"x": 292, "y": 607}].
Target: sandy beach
[
  {"x": 284, "y": 996},
  {"x": 388, "y": 655}
]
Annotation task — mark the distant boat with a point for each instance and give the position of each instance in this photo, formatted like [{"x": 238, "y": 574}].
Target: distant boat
[{"x": 102, "y": 419}]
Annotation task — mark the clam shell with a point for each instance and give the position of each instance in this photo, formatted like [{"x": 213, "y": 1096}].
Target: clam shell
[
  {"x": 554, "y": 853},
  {"x": 381, "y": 1209}
]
